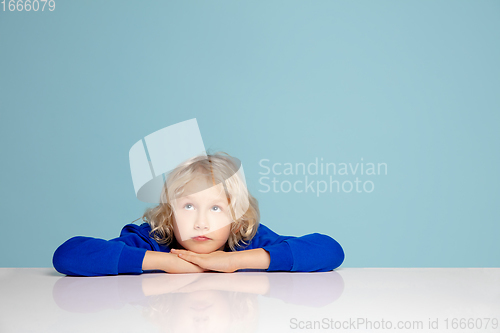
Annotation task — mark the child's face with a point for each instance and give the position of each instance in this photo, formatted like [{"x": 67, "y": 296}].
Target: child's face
[{"x": 203, "y": 210}]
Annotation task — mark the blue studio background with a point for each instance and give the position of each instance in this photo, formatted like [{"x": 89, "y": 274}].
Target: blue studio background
[{"x": 412, "y": 84}]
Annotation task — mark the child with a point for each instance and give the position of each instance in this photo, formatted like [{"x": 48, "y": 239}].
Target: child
[{"x": 206, "y": 221}]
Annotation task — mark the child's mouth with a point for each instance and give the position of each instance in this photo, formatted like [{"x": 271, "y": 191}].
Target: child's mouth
[{"x": 200, "y": 238}]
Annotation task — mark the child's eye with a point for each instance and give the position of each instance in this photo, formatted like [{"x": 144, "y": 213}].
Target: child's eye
[
  {"x": 187, "y": 206},
  {"x": 217, "y": 208}
]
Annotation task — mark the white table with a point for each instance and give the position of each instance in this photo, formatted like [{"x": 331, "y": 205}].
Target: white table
[{"x": 357, "y": 299}]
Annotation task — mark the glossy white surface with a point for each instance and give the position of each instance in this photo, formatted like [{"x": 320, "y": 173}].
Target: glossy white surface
[{"x": 41, "y": 300}]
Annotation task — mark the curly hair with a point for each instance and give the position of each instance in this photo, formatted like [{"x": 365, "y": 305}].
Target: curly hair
[{"x": 218, "y": 167}]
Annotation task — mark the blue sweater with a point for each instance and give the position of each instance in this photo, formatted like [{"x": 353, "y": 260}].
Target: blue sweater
[{"x": 87, "y": 256}]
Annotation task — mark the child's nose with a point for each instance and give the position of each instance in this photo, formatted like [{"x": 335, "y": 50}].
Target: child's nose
[{"x": 201, "y": 223}]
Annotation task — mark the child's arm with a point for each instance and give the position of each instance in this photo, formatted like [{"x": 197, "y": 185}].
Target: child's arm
[
  {"x": 309, "y": 253},
  {"x": 253, "y": 259},
  {"x": 132, "y": 253},
  {"x": 87, "y": 256}
]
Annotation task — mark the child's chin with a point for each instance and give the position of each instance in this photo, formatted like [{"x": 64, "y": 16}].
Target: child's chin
[
  {"x": 200, "y": 249},
  {"x": 203, "y": 252}
]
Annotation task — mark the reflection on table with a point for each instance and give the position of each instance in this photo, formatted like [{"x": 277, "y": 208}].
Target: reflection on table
[
  {"x": 209, "y": 302},
  {"x": 42, "y": 300}
]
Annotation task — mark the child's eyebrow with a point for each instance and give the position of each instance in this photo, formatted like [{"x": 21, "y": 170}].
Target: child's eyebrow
[{"x": 218, "y": 200}]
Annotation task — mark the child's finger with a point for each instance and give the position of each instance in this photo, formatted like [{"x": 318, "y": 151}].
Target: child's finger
[{"x": 178, "y": 251}]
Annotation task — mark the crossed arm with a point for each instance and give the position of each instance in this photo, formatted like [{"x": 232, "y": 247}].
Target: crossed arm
[{"x": 184, "y": 261}]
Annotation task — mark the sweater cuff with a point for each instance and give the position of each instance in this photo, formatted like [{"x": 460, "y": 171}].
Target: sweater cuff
[
  {"x": 131, "y": 260},
  {"x": 281, "y": 257}
]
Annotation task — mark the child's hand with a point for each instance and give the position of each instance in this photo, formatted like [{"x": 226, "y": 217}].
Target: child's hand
[
  {"x": 168, "y": 262},
  {"x": 216, "y": 261},
  {"x": 183, "y": 266}
]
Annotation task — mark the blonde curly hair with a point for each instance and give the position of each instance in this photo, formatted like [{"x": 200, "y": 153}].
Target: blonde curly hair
[{"x": 218, "y": 167}]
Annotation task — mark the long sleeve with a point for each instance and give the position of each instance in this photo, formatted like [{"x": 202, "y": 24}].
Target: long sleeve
[
  {"x": 87, "y": 256},
  {"x": 309, "y": 253}
]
